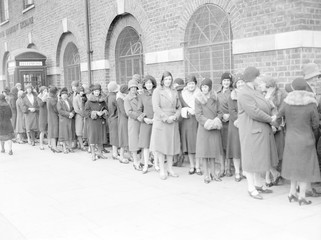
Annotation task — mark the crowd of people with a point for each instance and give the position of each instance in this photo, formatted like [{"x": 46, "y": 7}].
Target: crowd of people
[{"x": 250, "y": 127}]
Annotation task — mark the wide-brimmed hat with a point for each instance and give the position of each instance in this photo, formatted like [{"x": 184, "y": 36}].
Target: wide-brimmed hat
[
  {"x": 132, "y": 83},
  {"x": 113, "y": 87},
  {"x": 123, "y": 88},
  {"x": 250, "y": 74},
  {"x": 310, "y": 70}
]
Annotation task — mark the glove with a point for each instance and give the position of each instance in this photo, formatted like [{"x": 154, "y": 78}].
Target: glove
[
  {"x": 93, "y": 115},
  {"x": 217, "y": 123}
]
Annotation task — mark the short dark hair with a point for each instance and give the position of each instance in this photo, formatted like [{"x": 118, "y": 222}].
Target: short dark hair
[
  {"x": 149, "y": 78},
  {"x": 165, "y": 74}
]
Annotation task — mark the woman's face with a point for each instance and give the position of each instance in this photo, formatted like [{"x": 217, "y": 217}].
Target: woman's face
[
  {"x": 191, "y": 86},
  {"x": 45, "y": 91},
  {"x": 28, "y": 90},
  {"x": 168, "y": 81},
  {"x": 133, "y": 90},
  {"x": 96, "y": 93},
  {"x": 148, "y": 85},
  {"x": 240, "y": 84},
  {"x": 64, "y": 96},
  {"x": 205, "y": 89},
  {"x": 226, "y": 83}
]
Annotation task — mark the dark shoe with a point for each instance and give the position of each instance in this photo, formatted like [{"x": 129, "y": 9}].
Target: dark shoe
[
  {"x": 261, "y": 190},
  {"x": 277, "y": 180},
  {"x": 255, "y": 196},
  {"x": 124, "y": 161},
  {"x": 137, "y": 168},
  {"x": 191, "y": 171},
  {"x": 292, "y": 197},
  {"x": 100, "y": 155},
  {"x": 313, "y": 193},
  {"x": 215, "y": 178},
  {"x": 10, "y": 152},
  {"x": 269, "y": 184},
  {"x": 303, "y": 201},
  {"x": 228, "y": 173},
  {"x": 105, "y": 151}
]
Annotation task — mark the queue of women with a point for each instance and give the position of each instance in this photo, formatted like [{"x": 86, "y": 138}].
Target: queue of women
[{"x": 250, "y": 127}]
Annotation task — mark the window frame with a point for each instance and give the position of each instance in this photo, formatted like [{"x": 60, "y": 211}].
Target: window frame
[
  {"x": 4, "y": 11},
  {"x": 71, "y": 65},
  {"x": 26, "y": 7}
]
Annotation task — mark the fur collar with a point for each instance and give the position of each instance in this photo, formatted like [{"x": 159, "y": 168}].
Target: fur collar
[
  {"x": 93, "y": 98},
  {"x": 202, "y": 98},
  {"x": 300, "y": 98}
]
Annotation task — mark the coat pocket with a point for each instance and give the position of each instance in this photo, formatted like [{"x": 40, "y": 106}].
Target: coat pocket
[{"x": 256, "y": 130}]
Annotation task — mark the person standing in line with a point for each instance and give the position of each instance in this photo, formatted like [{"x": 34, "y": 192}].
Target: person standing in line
[
  {"x": 233, "y": 139},
  {"x": 122, "y": 123},
  {"x": 79, "y": 102},
  {"x": 256, "y": 136},
  {"x": 165, "y": 139},
  {"x": 145, "y": 106},
  {"x": 43, "y": 114},
  {"x": 300, "y": 161},
  {"x": 96, "y": 115},
  {"x": 209, "y": 140},
  {"x": 74, "y": 87},
  {"x": 134, "y": 118},
  {"x": 113, "y": 88},
  {"x": 189, "y": 124},
  {"x": 66, "y": 114},
  {"x": 20, "y": 124},
  {"x": 11, "y": 98},
  {"x": 6, "y": 129},
  {"x": 224, "y": 95},
  {"x": 53, "y": 119},
  {"x": 31, "y": 110}
]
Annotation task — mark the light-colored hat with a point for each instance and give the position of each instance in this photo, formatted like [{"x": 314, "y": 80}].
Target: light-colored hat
[
  {"x": 310, "y": 70},
  {"x": 132, "y": 83},
  {"x": 113, "y": 87}
]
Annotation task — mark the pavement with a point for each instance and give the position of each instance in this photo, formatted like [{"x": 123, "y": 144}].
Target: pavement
[{"x": 51, "y": 196}]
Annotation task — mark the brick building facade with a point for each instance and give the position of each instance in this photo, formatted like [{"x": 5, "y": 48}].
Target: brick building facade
[{"x": 203, "y": 37}]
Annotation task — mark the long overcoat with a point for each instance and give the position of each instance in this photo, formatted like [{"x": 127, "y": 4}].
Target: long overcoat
[
  {"x": 79, "y": 108},
  {"x": 43, "y": 115},
  {"x": 20, "y": 123},
  {"x": 96, "y": 126},
  {"x": 224, "y": 99},
  {"x": 65, "y": 131},
  {"x": 53, "y": 118},
  {"x": 300, "y": 161},
  {"x": 112, "y": 119},
  {"x": 31, "y": 117},
  {"x": 6, "y": 129},
  {"x": 256, "y": 136},
  {"x": 209, "y": 142},
  {"x": 122, "y": 122},
  {"x": 165, "y": 136},
  {"x": 132, "y": 111}
]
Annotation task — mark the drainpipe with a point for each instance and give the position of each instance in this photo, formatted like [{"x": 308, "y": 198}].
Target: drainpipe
[{"x": 89, "y": 51}]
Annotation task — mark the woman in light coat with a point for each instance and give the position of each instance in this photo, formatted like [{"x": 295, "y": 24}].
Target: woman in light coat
[
  {"x": 256, "y": 136},
  {"x": 20, "y": 123},
  {"x": 134, "y": 118},
  {"x": 300, "y": 161},
  {"x": 43, "y": 114},
  {"x": 31, "y": 110},
  {"x": 79, "y": 102},
  {"x": 165, "y": 139}
]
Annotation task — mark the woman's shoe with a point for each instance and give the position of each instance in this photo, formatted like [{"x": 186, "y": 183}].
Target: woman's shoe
[
  {"x": 157, "y": 169},
  {"x": 191, "y": 171},
  {"x": 100, "y": 155},
  {"x": 115, "y": 157},
  {"x": 172, "y": 174},
  {"x": 303, "y": 201},
  {"x": 215, "y": 178},
  {"x": 10, "y": 152},
  {"x": 256, "y": 195},
  {"x": 207, "y": 180},
  {"x": 277, "y": 180},
  {"x": 238, "y": 178},
  {"x": 292, "y": 197},
  {"x": 124, "y": 161},
  {"x": 199, "y": 172},
  {"x": 269, "y": 184},
  {"x": 137, "y": 168},
  {"x": 228, "y": 173},
  {"x": 145, "y": 170},
  {"x": 262, "y": 190}
]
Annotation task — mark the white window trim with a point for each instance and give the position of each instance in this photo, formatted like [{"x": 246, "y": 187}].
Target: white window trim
[
  {"x": 28, "y": 8},
  {"x": 4, "y": 22}
]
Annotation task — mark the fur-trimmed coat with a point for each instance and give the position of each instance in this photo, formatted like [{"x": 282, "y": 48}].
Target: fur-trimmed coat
[{"x": 300, "y": 161}]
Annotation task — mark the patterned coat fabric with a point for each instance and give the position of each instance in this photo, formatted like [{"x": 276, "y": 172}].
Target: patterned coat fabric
[
  {"x": 122, "y": 123},
  {"x": 300, "y": 161},
  {"x": 31, "y": 118},
  {"x": 6, "y": 129},
  {"x": 20, "y": 123},
  {"x": 209, "y": 142},
  {"x": 43, "y": 115},
  {"x": 257, "y": 140},
  {"x": 53, "y": 118},
  {"x": 65, "y": 131},
  {"x": 165, "y": 136},
  {"x": 112, "y": 119}
]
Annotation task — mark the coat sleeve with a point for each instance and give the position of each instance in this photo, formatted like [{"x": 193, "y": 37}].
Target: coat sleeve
[
  {"x": 232, "y": 108},
  {"x": 280, "y": 115},
  {"x": 61, "y": 110},
  {"x": 87, "y": 111},
  {"x": 249, "y": 106},
  {"x": 178, "y": 108},
  {"x": 129, "y": 110},
  {"x": 315, "y": 121},
  {"x": 25, "y": 107},
  {"x": 199, "y": 113},
  {"x": 40, "y": 102}
]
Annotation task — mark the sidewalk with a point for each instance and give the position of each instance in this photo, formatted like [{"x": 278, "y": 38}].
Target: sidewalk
[{"x": 50, "y": 196}]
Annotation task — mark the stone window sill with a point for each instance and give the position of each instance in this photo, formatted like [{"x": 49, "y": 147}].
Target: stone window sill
[
  {"x": 4, "y": 22},
  {"x": 28, "y": 8}
]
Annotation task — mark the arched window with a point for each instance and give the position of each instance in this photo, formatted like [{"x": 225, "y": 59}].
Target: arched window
[
  {"x": 71, "y": 64},
  {"x": 129, "y": 55},
  {"x": 208, "y": 43}
]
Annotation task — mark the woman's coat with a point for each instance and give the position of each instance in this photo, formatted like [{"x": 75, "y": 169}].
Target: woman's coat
[
  {"x": 112, "y": 119},
  {"x": 31, "y": 117},
  {"x": 65, "y": 131},
  {"x": 53, "y": 119},
  {"x": 79, "y": 108},
  {"x": 20, "y": 123},
  {"x": 122, "y": 122},
  {"x": 43, "y": 115},
  {"x": 6, "y": 129}
]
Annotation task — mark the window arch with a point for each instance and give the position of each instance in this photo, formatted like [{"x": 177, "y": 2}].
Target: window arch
[
  {"x": 129, "y": 55},
  {"x": 208, "y": 43},
  {"x": 71, "y": 61}
]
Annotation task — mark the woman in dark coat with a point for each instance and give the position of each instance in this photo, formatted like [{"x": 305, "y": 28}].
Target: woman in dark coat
[
  {"x": 300, "y": 161},
  {"x": 96, "y": 114},
  {"x": 53, "y": 119},
  {"x": 20, "y": 123},
  {"x": 79, "y": 102},
  {"x": 209, "y": 139},
  {"x": 233, "y": 138},
  {"x": 66, "y": 114},
  {"x": 165, "y": 139},
  {"x": 6, "y": 129},
  {"x": 113, "y": 118},
  {"x": 122, "y": 123},
  {"x": 31, "y": 111},
  {"x": 145, "y": 105},
  {"x": 134, "y": 117},
  {"x": 189, "y": 124},
  {"x": 256, "y": 136},
  {"x": 43, "y": 114}
]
